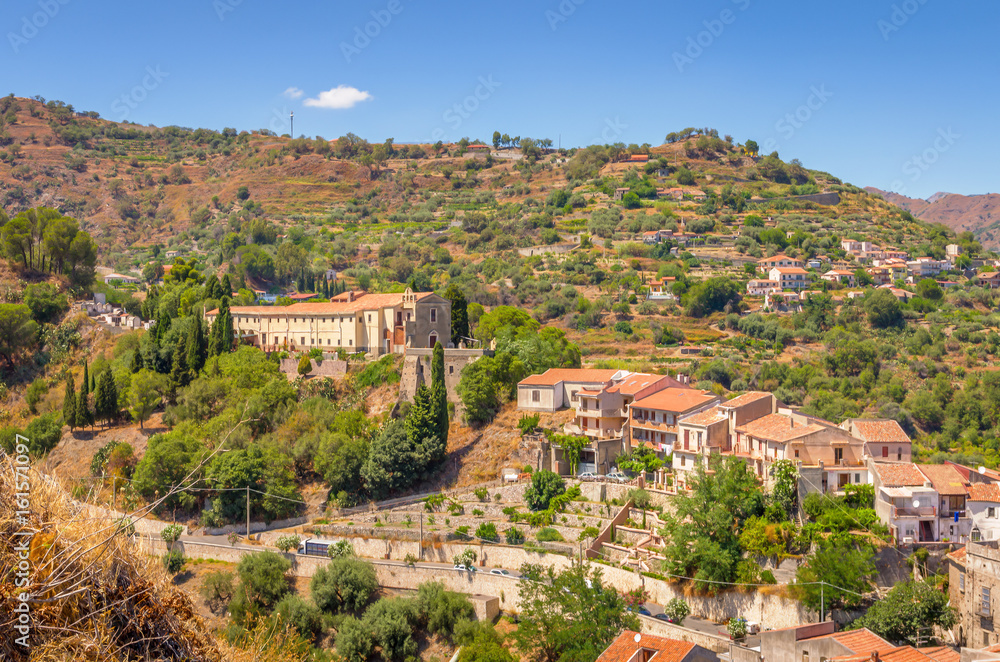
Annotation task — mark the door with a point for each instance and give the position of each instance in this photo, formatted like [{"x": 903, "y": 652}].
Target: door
[
  {"x": 843, "y": 479},
  {"x": 926, "y": 531}
]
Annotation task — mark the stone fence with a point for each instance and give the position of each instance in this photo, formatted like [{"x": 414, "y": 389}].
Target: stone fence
[
  {"x": 106, "y": 516},
  {"x": 255, "y": 527}
]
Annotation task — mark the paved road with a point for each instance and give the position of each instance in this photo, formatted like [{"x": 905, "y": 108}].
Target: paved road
[{"x": 704, "y": 625}]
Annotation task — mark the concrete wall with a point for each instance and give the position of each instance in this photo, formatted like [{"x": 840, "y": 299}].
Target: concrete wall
[
  {"x": 549, "y": 398},
  {"x": 256, "y": 527}
]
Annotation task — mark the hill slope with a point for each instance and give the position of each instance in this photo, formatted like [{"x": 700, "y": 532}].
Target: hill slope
[{"x": 978, "y": 214}]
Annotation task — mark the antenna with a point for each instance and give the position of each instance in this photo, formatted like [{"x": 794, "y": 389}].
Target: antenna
[{"x": 291, "y": 121}]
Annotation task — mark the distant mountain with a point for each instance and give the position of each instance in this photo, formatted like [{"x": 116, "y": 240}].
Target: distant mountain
[{"x": 979, "y": 214}]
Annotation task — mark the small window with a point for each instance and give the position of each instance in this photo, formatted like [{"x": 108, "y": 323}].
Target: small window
[
  {"x": 369, "y": 317},
  {"x": 985, "y": 606},
  {"x": 857, "y": 478},
  {"x": 573, "y": 396},
  {"x": 451, "y": 370},
  {"x": 961, "y": 582},
  {"x": 885, "y": 451},
  {"x": 805, "y": 656},
  {"x": 328, "y": 341},
  {"x": 303, "y": 340},
  {"x": 899, "y": 454},
  {"x": 350, "y": 342},
  {"x": 991, "y": 512},
  {"x": 536, "y": 396},
  {"x": 683, "y": 460},
  {"x": 796, "y": 453},
  {"x": 434, "y": 315}
]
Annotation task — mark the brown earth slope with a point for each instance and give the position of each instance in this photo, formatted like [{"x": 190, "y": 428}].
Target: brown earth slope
[{"x": 978, "y": 214}]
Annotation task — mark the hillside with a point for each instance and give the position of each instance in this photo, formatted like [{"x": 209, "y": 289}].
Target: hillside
[
  {"x": 133, "y": 187},
  {"x": 978, "y": 214}
]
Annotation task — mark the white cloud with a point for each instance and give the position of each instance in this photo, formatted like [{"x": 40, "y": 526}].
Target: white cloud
[
  {"x": 293, "y": 93},
  {"x": 339, "y": 98}
]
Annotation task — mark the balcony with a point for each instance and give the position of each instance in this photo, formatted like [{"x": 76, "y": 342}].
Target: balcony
[
  {"x": 950, "y": 514},
  {"x": 922, "y": 511},
  {"x": 600, "y": 413}
]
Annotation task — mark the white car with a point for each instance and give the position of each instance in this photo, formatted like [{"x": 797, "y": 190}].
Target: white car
[
  {"x": 618, "y": 477},
  {"x": 465, "y": 568},
  {"x": 501, "y": 572},
  {"x": 587, "y": 475}
]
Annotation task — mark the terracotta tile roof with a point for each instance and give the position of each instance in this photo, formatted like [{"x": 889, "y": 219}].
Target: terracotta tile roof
[
  {"x": 778, "y": 427},
  {"x": 553, "y": 376},
  {"x": 624, "y": 648},
  {"x": 941, "y": 654},
  {"x": 635, "y": 382},
  {"x": 900, "y": 475},
  {"x": 745, "y": 399},
  {"x": 365, "y": 302},
  {"x": 707, "y": 417},
  {"x": 958, "y": 555},
  {"x": 945, "y": 479},
  {"x": 780, "y": 257},
  {"x": 873, "y": 430},
  {"x": 984, "y": 492},
  {"x": 861, "y": 641},
  {"x": 790, "y": 270},
  {"x": 892, "y": 654},
  {"x": 678, "y": 400}
]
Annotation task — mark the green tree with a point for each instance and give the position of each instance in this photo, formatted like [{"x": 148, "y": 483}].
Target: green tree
[
  {"x": 700, "y": 536},
  {"x": 713, "y": 295},
  {"x": 354, "y": 640},
  {"x": 459, "y": 314},
  {"x": 305, "y": 365},
  {"x": 481, "y": 642},
  {"x": 571, "y": 616},
  {"x": 344, "y": 585},
  {"x": 929, "y": 289},
  {"x": 392, "y": 622},
  {"x": 439, "y": 400},
  {"x": 69, "y": 404},
  {"x": 845, "y": 569},
  {"x": 884, "y": 310},
  {"x": 84, "y": 417},
  {"x": 545, "y": 485},
  {"x": 440, "y": 610},
  {"x": 909, "y": 609},
  {"x": 303, "y": 614},
  {"x": 45, "y": 302},
  {"x": 677, "y": 610},
  {"x": 196, "y": 348},
  {"x": 18, "y": 332},
  {"x": 106, "y": 398},
  {"x": 180, "y": 375},
  {"x": 263, "y": 583},
  {"x": 339, "y": 460},
  {"x": 221, "y": 336},
  {"x": 784, "y": 492},
  {"x": 170, "y": 457},
  {"x": 145, "y": 394}
]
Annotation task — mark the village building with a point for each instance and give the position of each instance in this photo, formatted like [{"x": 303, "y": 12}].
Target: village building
[
  {"x": 790, "y": 278},
  {"x": 779, "y": 260},
  {"x": 355, "y": 321}
]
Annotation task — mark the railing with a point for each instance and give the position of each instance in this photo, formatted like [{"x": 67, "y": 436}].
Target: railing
[
  {"x": 923, "y": 511},
  {"x": 950, "y": 514},
  {"x": 601, "y": 413}
]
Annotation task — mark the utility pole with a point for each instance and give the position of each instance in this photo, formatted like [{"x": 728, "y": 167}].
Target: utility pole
[
  {"x": 291, "y": 121},
  {"x": 248, "y": 512},
  {"x": 822, "y": 603},
  {"x": 420, "y": 554}
]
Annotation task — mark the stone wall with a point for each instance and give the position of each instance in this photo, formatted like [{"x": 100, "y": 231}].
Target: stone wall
[
  {"x": 417, "y": 370},
  {"x": 256, "y": 527},
  {"x": 770, "y": 608},
  {"x": 326, "y": 368},
  {"x": 553, "y": 249}
]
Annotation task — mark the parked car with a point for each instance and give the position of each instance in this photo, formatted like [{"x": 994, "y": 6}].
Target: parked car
[
  {"x": 465, "y": 568},
  {"x": 640, "y": 610},
  {"x": 501, "y": 572},
  {"x": 587, "y": 475},
  {"x": 618, "y": 477},
  {"x": 663, "y": 617}
]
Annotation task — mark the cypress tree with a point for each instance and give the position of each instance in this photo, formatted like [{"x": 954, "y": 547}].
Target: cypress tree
[
  {"x": 87, "y": 384},
  {"x": 83, "y": 414},
  {"x": 439, "y": 395},
  {"x": 106, "y": 400},
  {"x": 196, "y": 347},
  {"x": 135, "y": 364},
  {"x": 179, "y": 375},
  {"x": 459, "y": 314},
  {"x": 227, "y": 334},
  {"x": 420, "y": 423},
  {"x": 69, "y": 404},
  {"x": 227, "y": 285},
  {"x": 213, "y": 289}
]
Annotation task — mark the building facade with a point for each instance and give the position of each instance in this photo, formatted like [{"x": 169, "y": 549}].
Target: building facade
[{"x": 354, "y": 321}]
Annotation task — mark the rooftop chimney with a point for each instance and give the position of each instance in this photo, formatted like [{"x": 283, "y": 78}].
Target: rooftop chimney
[
  {"x": 874, "y": 656},
  {"x": 350, "y": 296}
]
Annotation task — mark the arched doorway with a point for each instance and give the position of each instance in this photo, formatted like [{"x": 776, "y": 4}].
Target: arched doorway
[{"x": 432, "y": 339}]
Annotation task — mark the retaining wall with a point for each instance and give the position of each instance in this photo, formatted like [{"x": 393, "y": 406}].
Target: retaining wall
[
  {"x": 660, "y": 628},
  {"x": 256, "y": 527},
  {"x": 142, "y": 525},
  {"x": 326, "y": 368}
]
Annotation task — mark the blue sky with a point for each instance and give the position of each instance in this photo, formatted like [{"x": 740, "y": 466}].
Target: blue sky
[{"x": 897, "y": 95}]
